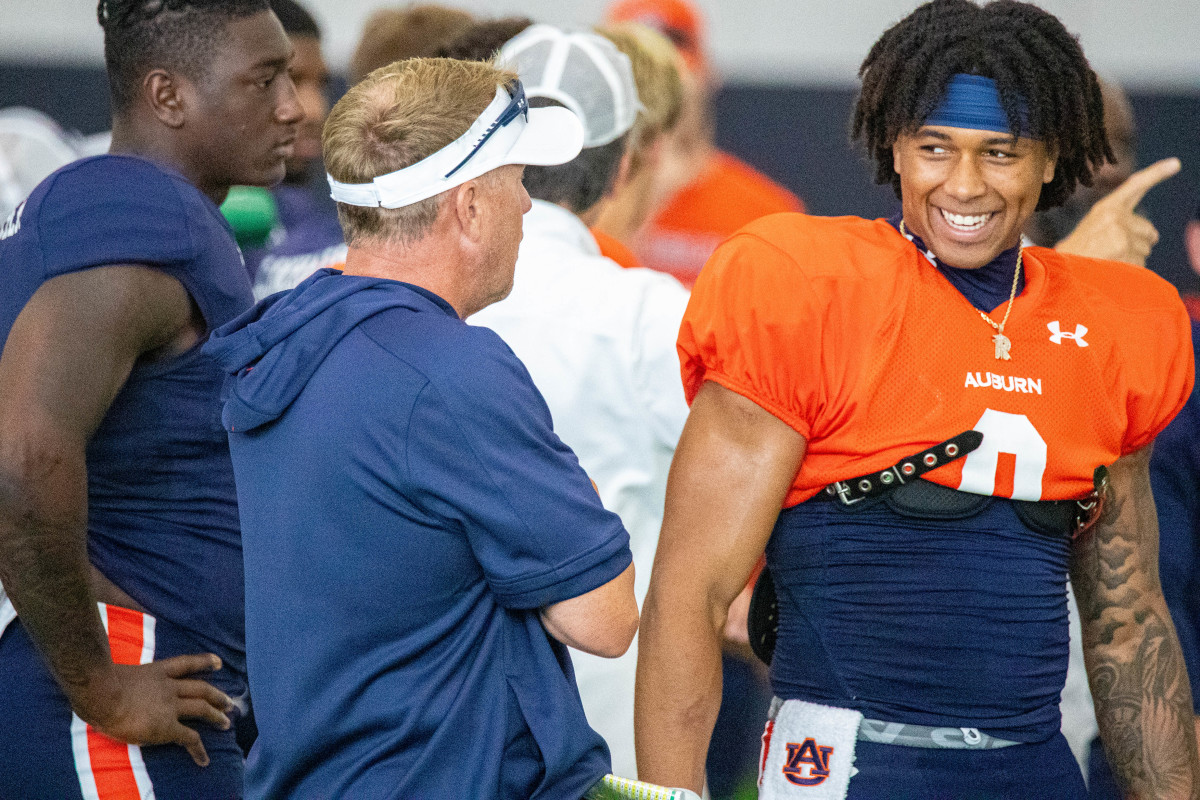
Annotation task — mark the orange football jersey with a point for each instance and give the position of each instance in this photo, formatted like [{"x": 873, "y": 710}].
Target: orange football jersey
[{"x": 845, "y": 331}]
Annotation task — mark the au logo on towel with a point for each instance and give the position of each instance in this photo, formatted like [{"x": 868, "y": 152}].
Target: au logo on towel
[{"x": 807, "y": 762}]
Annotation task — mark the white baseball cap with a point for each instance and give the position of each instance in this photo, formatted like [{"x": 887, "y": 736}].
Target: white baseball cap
[
  {"x": 583, "y": 71},
  {"x": 507, "y": 132}
]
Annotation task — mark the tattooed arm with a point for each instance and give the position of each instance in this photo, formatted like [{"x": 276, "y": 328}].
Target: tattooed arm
[{"x": 1135, "y": 667}]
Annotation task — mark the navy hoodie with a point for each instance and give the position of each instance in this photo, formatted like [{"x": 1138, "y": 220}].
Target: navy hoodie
[
  {"x": 273, "y": 348},
  {"x": 406, "y": 510}
]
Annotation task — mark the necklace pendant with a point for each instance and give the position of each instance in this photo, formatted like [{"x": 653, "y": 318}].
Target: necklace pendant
[{"x": 1003, "y": 345}]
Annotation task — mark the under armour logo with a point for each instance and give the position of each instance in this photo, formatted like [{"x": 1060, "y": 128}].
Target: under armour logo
[
  {"x": 807, "y": 763},
  {"x": 1057, "y": 334}
]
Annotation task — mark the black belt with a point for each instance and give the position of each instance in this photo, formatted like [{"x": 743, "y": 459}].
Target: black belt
[
  {"x": 1067, "y": 518},
  {"x": 763, "y": 622},
  {"x": 907, "y": 469}
]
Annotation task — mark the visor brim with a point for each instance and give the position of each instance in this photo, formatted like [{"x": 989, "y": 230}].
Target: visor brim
[{"x": 552, "y": 136}]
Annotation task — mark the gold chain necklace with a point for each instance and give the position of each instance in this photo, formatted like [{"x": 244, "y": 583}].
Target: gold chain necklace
[{"x": 1002, "y": 342}]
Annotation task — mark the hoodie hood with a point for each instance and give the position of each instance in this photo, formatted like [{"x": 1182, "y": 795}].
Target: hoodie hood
[{"x": 271, "y": 351}]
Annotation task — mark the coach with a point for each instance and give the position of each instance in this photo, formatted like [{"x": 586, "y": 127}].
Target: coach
[{"x": 419, "y": 543}]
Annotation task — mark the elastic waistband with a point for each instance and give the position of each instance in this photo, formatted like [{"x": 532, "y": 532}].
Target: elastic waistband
[{"x": 928, "y": 736}]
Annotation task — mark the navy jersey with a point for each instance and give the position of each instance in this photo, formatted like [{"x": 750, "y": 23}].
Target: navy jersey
[
  {"x": 162, "y": 509},
  {"x": 407, "y": 509},
  {"x": 959, "y": 623}
]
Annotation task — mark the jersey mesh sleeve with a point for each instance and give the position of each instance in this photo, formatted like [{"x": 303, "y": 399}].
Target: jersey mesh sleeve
[
  {"x": 1160, "y": 373},
  {"x": 753, "y": 326}
]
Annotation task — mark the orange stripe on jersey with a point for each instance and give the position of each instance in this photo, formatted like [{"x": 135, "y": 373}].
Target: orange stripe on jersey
[
  {"x": 1006, "y": 474},
  {"x": 125, "y": 633},
  {"x": 110, "y": 769}
]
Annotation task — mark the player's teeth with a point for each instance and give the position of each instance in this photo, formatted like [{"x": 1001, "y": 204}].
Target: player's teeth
[{"x": 972, "y": 222}]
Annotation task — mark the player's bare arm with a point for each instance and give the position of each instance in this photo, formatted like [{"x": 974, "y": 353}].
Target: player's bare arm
[
  {"x": 731, "y": 471},
  {"x": 68, "y": 354},
  {"x": 1135, "y": 667},
  {"x": 601, "y": 622}
]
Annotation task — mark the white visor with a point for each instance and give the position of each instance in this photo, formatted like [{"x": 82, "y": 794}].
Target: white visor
[{"x": 538, "y": 136}]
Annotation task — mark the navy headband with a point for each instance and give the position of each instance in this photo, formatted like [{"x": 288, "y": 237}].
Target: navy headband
[{"x": 972, "y": 101}]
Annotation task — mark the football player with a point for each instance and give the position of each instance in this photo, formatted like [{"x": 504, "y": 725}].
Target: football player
[
  {"x": 949, "y": 422},
  {"x": 120, "y": 550}
]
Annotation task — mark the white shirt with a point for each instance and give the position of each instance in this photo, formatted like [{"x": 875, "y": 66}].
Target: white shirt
[{"x": 599, "y": 341}]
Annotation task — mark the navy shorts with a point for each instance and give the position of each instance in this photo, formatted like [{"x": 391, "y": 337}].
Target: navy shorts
[
  {"x": 48, "y": 753},
  {"x": 1042, "y": 771}
]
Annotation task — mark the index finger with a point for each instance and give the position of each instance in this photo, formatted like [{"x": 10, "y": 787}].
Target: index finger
[
  {"x": 1131, "y": 192},
  {"x": 191, "y": 664}
]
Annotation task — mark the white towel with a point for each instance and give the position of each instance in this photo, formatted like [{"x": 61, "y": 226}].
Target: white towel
[{"x": 808, "y": 752}]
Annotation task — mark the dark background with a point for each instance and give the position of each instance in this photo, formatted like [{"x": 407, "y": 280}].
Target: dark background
[{"x": 797, "y": 134}]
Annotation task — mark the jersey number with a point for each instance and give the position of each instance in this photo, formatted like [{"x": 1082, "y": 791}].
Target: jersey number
[{"x": 1012, "y": 441}]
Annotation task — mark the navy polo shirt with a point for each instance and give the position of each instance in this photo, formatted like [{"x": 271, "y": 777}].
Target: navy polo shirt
[{"x": 407, "y": 510}]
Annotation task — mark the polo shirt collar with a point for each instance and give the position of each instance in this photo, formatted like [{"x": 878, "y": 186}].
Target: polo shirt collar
[{"x": 550, "y": 221}]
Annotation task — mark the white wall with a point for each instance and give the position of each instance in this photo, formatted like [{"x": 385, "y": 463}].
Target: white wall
[{"x": 1142, "y": 43}]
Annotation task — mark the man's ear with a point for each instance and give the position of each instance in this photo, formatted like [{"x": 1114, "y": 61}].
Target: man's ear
[
  {"x": 1051, "y": 165},
  {"x": 162, "y": 91},
  {"x": 468, "y": 209}
]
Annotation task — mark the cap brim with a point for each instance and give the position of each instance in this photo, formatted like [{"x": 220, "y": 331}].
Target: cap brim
[{"x": 552, "y": 136}]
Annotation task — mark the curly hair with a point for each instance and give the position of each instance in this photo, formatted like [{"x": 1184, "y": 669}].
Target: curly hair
[
  {"x": 1034, "y": 61},
  {"x": 182, "y": 35}
]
